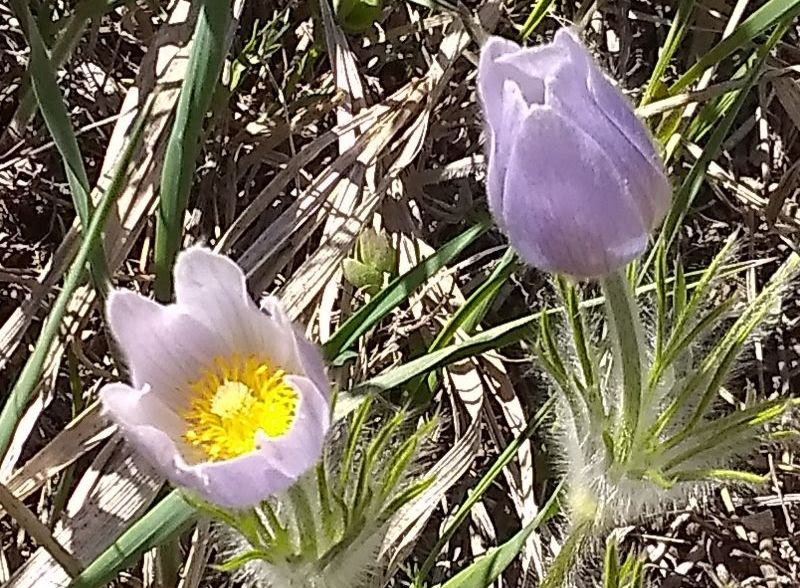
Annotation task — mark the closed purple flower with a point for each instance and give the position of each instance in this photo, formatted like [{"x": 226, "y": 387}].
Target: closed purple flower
[
  {"x": 573, "y": 177},
  {"x": 228, "y": 401}
]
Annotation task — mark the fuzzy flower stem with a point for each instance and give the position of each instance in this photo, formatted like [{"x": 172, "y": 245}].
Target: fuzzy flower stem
[{"x": 626, "y": 329}]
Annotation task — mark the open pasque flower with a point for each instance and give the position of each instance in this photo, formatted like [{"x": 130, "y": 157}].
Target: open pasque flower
[
  {"x": 573, "y": 177},
  {"x": 226, "y": 400}
]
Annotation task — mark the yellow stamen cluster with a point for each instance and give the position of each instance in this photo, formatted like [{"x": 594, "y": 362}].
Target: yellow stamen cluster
[{"x": 232, "y": 401}]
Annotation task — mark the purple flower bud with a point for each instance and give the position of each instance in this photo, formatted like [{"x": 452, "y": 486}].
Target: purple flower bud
[{"x": 573, "y": 177}]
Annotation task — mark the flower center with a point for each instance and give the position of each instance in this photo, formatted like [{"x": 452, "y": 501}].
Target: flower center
[{"x": 234, "y": 400}]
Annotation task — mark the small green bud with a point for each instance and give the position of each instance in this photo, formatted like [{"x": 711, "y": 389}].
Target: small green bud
[
  {"x": 375, "y": 250},
  {"x": 355, "y": 16},
  {"x": 362, "y": 276}
]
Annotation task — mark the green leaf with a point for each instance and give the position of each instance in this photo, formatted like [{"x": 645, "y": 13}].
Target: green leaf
[
  {"x": 492, "y": 339},
  {"x": 779, "y": 12},
  {"x": 469, "y": 315},
  {"x": 538, "y": 12},
  {"x": 720, "y": 359},
  {"x": 369, "y": 461},
  {"x": 397, "y": 292},
  {"x": 708, "y": 377},
  {"x": 678, "y": 293},
  {"x": 560, "y": 567},
  {"x": 551, "y": 352},
  {"x": 487, "y": 568},
  {"x": 55, "y": 115},
  {"x": 166, "y": 519},
  {"x": 677, "y": 342},
  {"x": 708, "y": 321},
  {"x": 661, "y": 301},
  {"x": 454, "y": 522},
  {"x": 282, "y": 540},
  {"x": 361, "y": 275},
  {"x": 569, "y": 298},
  {"x": 325, "y": 496},
  {"x": 237, "y": 562},
  {"x": 353, "y": 434},
  {"x": 725, "y": 432},
  {"x": 632, "y": 571},
  {"x": 356, "y": 16},
  {"x": 691, "y": 185},
  {"x": 73, "y": 28},
  {"x": 590, "y": 387},
  {"x": 304, "y": 517},
  {"x": 209, "y": 46},
  {"x": 611, "y": 564},
  {"x": 398, "y": 466},
  {"x": 705, "y": 121},
  {"x": 721, "y": 475},
  {"x": 26, "y": 383},
  {"x": 375, "y": 250},
  {"x": 677, "y": 32}
]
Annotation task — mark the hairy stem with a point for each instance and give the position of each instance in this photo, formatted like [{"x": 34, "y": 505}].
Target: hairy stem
[{"x": 626, "y": 331}]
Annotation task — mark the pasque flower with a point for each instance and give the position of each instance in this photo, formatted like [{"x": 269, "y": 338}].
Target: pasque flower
[
  {"x": 226, "y": 400},
  {"x": 573, "y": 177}
]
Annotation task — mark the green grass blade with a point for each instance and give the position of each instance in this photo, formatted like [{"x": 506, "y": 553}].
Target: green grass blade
[
  {"x": 479, "y": 489},
  {"x": 677, "y": 32},
  {"x": 55, "y": 115},
  {"x": 469, "y": 315},
  {"x": 167, "y": 518},
  {"x": 26, "y": 383},
  {"x": 487, "y": 568},
  {"x": 492, "y": 339},
  {"x": 538, "y": 12},
  {"x": 696, "y": 176},
  {"x": 771, "y": 13},
  {"x": 705, "y": 121},
  {"x": 397, "y": 292},
  {"x": 62, "y": 49},
  {"x": 209, "y": 46}
]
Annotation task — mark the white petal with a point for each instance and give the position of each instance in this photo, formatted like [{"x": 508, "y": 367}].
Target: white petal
[
  {"x": 307, "y": 359},
  {"x": 236, "y": 483},
  {"x": 298, "y": 450},
  {"x": 213, "y": 290},
  {"x": 150, "y": 425},
  {"x": 165, "y": 347}
]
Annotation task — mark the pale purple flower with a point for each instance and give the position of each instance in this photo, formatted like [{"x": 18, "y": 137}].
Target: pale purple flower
[
  {"x": 573, "y": 177},
  {"x": 226, "y": 400}
]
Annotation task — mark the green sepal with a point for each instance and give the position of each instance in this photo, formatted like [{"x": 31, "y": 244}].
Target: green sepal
[{"x": 237, "y": 562}]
